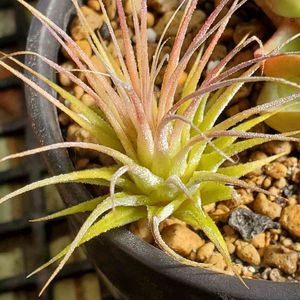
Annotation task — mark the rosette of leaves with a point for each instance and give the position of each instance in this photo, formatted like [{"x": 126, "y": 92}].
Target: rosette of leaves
[{"x": 168, "y": 155}]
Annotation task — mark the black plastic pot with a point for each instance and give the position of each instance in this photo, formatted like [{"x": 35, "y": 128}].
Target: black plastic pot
[{"x": 138, "y": 269}]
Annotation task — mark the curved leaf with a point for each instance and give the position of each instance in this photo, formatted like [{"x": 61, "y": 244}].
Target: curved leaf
[
  {"x": 196, "y": 217},
  {"x": 119, "y": 217},
  {"x": 83, "y": 176},
  {"x": 243, "y": 169},
  {"x": 212, "y": 192}
]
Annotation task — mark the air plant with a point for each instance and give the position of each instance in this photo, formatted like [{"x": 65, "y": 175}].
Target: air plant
[{"x": 168, "y": 155}]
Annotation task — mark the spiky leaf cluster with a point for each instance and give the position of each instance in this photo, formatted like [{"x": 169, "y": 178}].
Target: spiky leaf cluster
[{"x": 168, "y": 155}]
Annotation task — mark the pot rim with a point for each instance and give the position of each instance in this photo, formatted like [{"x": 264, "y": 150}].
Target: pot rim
[{"x": 45, "y": 124}]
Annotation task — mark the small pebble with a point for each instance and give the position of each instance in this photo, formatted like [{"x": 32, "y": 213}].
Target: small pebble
[
  {"x": 258, "y": 155},
  {"x": 128, "y": 6},
  {"x": 247, "y": 253},
  {"x": 150, "y": 19},
  {"x": 290, "y": 219},
  {"x": 64, "y": 79},
  {"x": 217, "y": 261},
  {"x": 85, "y": 47},
  {"x": 296, "y": 247},
  {"x": 278, "y": 256},
  {"x": 181, "y": 239},
  {"x": 78, "y": 33},
  {"x": 104, "y": 31},
  {"x": 64, "y": 119},
  {"x": 259, "y": 241},
  {"x": 267, "y": 182},
  {"x": 296, "y": 175},
  {"x": 111, "y": 6},
  {"x": 291, "y": 161},
  {"x": 211, "y": 65},
  {"x": 265, "y": 207},
  {"x": 82, "y": 163},
  {"x": 266, "y": 273},
  {"x": 88, "y": 100},
  {"x": 93, "y": 18},
  {"x": 152, "y": 35},
  {"x": 197, "y": 18},
  {"x": 142, "y": 230},
  {"x": 287, "y": 242},
  {"x": 170, "y": 221},
  {"x": 276, "y": 170},
  {"x": 230, "y": 246},
  {"x": 78, "y": 91},
  {"x": 292, "y": 200},
  {"x": 219, "y": 52},
  {"x": 94, "y": 4},
  {"x": 221, "y": 213},
  {"x": 277, "y": 147},
  {"x": 276, "y": 276},
  {"x": 280, "y": 183},
  {"x": 209, "y": 207},
  {"x": 205, "y": 252},
  {"x": 163, "y": 6},
  {"x": 98, "y": 64},
  {"x": 249, "y": 224}
]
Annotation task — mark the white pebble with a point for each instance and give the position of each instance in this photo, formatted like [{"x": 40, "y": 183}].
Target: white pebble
[
  {"x": 211, "y": 65},
  {"x": 152, "y": 35},
  {"x": 67, "y": 103}
]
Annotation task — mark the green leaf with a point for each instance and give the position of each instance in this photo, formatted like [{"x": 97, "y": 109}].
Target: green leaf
[
  {"x": 245, "y": 126},
  {"x": 203, "y": 176},
  {"x": 215, "y": 111},
  {"x": 162, "y": 213},
  {"x": 212, "y": 192},
  {"x": 195, "y": 216},
  {"x": 212, "y": 161},
  {"x": 243, "y": 169},
  {"x": 102, "y": 208},
  {"x": 196, "y": 153},
  {"x": 79, "y": 208},
  {"x": 83, "y": 176},
  {"x": 194, "y": 158},
  {"x": 119, "y": 217}
]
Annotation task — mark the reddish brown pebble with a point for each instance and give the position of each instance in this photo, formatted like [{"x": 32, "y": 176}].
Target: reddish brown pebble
[
  {"x": 290, "y": 219},
  {"x": 181, "y": 239}
]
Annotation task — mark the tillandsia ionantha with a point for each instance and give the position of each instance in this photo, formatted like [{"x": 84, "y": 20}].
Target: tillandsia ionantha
[{"x": 167, "y": 155}]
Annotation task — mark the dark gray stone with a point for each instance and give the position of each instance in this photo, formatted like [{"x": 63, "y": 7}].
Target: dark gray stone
[
  {"x": 104, "y": 31},
  {"x": 250, "y": 224}
]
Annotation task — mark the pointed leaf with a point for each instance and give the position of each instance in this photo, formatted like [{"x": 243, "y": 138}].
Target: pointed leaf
[
  {"x": 213, "y": 160},
  {"x": 212, "y": 192},
  {"x": 119, "y": 217},
  {"x": 198, "y": 218},
  {"x": 83, "y": 176},
  {"x": 243, "y": 169}
]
